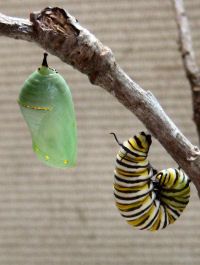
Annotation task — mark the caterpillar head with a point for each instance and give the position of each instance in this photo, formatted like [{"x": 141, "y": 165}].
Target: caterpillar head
[{"x": 172, "y": 178}]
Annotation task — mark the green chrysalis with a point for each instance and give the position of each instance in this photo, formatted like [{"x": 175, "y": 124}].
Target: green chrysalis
[{"x": 46, "y": 104}]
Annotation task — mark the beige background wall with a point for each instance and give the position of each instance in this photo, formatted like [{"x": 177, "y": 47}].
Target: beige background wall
[{"x": 56, "y": 217}]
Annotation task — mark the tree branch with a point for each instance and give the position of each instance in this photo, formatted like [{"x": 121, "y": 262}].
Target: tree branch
[
  {"x": 189, "y": 62},
  {"x": 17, "y": 28},
  {"x": 60, "y": 34}
]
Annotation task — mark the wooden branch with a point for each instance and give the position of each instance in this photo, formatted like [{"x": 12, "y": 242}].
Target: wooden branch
[
  {"x": 189, "y": 62},
  {"x": 60, "y": 34},
  {"x": 17, "y": 28}
]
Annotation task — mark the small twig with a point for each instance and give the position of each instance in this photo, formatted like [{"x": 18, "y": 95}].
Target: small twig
[
  {"x": 188, "y": 56},
  {"x": 60, "y": 34}
]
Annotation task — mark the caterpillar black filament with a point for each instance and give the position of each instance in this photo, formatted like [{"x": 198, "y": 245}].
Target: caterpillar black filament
[{"x": 147, "y": 199}]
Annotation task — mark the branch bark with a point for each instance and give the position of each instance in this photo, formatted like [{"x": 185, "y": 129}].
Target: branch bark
[
  {"x": 188, "y": 56},
  {"x": 60, "y": 34}
]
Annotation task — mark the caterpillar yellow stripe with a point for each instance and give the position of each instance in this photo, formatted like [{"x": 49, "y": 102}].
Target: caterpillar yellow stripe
[{"x": 147, "y": 199}]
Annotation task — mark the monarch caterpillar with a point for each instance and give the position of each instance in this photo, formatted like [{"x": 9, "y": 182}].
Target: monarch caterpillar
[
  {"x": 46, "y": 104},
  {"x": 147, "y": 199}
]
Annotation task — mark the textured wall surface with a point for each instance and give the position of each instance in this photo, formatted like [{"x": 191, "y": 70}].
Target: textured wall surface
[{"x": 68, "y": 217}]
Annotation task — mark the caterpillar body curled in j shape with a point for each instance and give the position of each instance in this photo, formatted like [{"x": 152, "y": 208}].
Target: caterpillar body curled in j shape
[
  {"x": 147, "y": 199},
  {"x": 46, "y": 104}
]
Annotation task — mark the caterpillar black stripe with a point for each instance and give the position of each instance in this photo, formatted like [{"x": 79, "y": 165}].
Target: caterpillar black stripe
[{"x": 147, "y": 199}]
